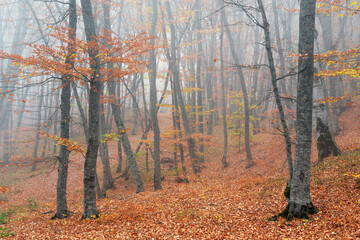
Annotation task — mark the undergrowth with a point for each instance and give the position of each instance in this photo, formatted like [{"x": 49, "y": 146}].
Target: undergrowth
[{"x": 4, "y": 231}]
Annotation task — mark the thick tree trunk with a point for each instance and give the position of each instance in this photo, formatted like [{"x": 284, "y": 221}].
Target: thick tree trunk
[
  {"x": 300, "y": 204},
  {"x": 90, "y": 209}
]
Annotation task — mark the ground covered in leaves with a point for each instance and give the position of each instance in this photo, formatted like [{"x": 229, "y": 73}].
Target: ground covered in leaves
[{"x": 231, "y": 203}]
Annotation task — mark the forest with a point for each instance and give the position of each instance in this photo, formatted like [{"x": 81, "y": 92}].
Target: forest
[{"x": 183, "y": 119}]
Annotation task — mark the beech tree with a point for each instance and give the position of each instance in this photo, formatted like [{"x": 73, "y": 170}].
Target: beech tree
[
  {"x": 153, "y": 100},
  {"x": 300, "y": 204},
  {"x": 61, "y": 201},
  {"x": 90, "y": 209}
]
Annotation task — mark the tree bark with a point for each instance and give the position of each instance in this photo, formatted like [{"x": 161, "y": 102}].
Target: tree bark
[
  {"x": 223, "y": 99},
  {"x": 90, "y": 209},
  {"x": 115, "y": 107},
  {"x": 286, "y": 132},
  {"x": 61, "y": 194},
  {"x": 300, "y": 204},
  {"x": 153, "y": 101},
  {"x": 200, "y": 107}
]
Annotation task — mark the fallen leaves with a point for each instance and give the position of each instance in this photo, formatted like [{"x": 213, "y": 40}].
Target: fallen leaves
[{"x": 230, "y": 203}]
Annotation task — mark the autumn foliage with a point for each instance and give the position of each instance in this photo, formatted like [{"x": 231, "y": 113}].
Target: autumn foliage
[{"x": 45, "y": 60}]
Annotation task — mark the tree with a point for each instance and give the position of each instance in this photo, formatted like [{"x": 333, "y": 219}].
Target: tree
[
  {"x": 266, "y": 27},
  {"x": 61, "y": 201},
  {"x": 199, "y": 77},
  {"x": 90, "y": 209},
  {"x": 242, "y": 83},
  {"x": 177, "y": 90},
  {"x": 300, "y": 204},
  {"x": 223, "y": 99},
  {"x": 153, "y": 100}
]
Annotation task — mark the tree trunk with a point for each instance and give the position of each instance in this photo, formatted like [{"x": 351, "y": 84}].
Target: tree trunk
[
  {"x": 90, "y": 209},
  {"x": 22, "y": 109},
  {"x": 38, "y": 126},
  {"x": 135, "y": 107},
  {"x": 153, "y": 101},
  {"x": 177, "y": 89},
  {"x": 327, "y": 32},
  {"x": 243, "y": 87},
  {"x": 108, "y": 180},
  {"x": 61, "y": 194},
  {"x": 209, "y": 87},
  {"x": 223, "y": 99},
  {"x": 200, "y": 107},
  {"x": 286, "y": 132},
  {"x": 120, "y": 158},
  {"x": 115, "y": 107},
  {"x": 325, "y": 143},
  {"x": 81, "y": 111},
  {"x": 300, "y": 204}
]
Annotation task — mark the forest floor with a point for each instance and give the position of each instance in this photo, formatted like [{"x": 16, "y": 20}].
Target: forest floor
[{"x": 218, "y": 203}]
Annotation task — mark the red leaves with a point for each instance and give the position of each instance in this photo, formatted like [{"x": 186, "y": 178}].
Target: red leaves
[
  {"x": 231, "y": 203},
  {"x": 51, "y": 61}
]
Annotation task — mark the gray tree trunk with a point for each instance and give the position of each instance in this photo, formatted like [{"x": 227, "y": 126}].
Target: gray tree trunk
[
  {"x": 300, "y": 204},
  {"x": 90, "y": 209},
  {"x": 327, "y": 32},
  {"x": 108, "y": 180},
  {"x": 61, "y": 194},
  {"x": 153, "y": 100},
  {"x": 115, "y": 107},
  {"x": 223, "y": 99},
  {"x": 134, "y": 106},
  {"x": 286, "y": 132},
  {"x": 38, "y": 126},
  {"x": 200, "y": 107},
  {"x": 209, "y": 87}
]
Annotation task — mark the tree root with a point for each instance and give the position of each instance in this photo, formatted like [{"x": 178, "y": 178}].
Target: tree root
[{"x": 294, "y": 210}]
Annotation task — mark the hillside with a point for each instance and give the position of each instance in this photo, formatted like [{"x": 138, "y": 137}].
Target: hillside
[{"x": 231, "y": 203}]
